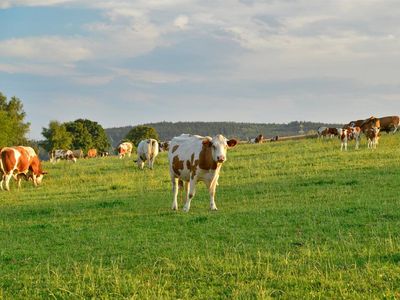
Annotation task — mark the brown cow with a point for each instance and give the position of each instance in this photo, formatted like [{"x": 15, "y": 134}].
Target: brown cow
[
  {"x": 19, "y": 162},
  {"x": 389, "y": 123},
  {"x": 92, "y": 153}
]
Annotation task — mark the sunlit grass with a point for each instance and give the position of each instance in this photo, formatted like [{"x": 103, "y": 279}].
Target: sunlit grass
[{"x": 296, "y": 219}]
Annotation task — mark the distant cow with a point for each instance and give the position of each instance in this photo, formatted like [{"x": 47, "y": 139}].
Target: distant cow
[
  {"x": 321, "y": 130},
  {"x": 19, "y": 162},
  {"x": 147, "y": 151},
  {"x": 164, "y": 146},
  {"x": 274, "y": 139},
  {"x": 125, "y": 149},
  {"x": 104, "y": 154},
  {"x": 194, "y": 158},
  {"x": 57, "y": 155},
  {"x": 343, "y": 135},
  {"x": 78, "y": 153},
  {"x": 92, "y": 153},
  {"x": 389, "y": 123},
  {"x": 352, "y": 133},
  {"x": 330, "y": 132},
  {"x": 372, "y": 135},
  {"x": 257, "y": 140}
]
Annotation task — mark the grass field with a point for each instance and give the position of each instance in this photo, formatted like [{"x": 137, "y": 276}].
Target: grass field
[{"x": 296, "y": 219}]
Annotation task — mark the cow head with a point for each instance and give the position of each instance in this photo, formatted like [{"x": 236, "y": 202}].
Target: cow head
[{"x": 219, "y": 145}]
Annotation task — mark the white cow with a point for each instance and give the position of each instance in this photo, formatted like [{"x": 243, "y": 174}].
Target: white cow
[
  {"x": 194, "y": 158},
  {"x": 57, "y": 155},
  {"x": 147, "y": 151}
]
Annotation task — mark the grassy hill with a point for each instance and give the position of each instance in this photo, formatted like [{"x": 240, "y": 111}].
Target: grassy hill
[
  {"x": 242, "y": 131},
  {"x": 296, "y": 219}
]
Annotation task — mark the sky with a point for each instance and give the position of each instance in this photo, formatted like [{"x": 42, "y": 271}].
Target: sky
[{"x": 127, "y": 62}]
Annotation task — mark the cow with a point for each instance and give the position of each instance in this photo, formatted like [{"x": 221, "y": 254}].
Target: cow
[
  {"x": 352, "y": 133},
  {"x": 356, "y": 123},
  {"x": 321, "y": 130},
  {"x": 343, "y": 135},
  {"x": 257, "y": 140},
  {"x": 147, "y": 150},
  {"x": 124, "y": 148},
  {"x": 164, "y": 146},
  {"x": 389, "y": 123},
  {"x": 92, "y": 153},
  {"x": 194, "y": 158},
  {"x": 330, "y": 132},
  {"x": 78, "y": 153},
  {"x": 104, "y": 154},
  {"x": 372, "y": 135},
  {"x": 20, "y": 162},
  {"x": 57, "y": 155}
]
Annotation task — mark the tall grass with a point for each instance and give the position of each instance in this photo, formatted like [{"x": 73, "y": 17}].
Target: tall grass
[{"x": 298, "y": 219}]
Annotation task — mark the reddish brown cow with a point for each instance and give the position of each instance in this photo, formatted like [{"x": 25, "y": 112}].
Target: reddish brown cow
[
  {"x": 330, "y": 132},
  {"x": 92, "y": 153},
  {"x": 389, "y": 123},
  {"x": 19, "y": 162}
]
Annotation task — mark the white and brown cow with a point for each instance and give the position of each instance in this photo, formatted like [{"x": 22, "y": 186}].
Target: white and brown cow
[
  {"x": 20, "y": 162},
  {"x": 147, "y": 151},
  {"x": 390, "y": 123},
  {"x": 194, "y": 158},
  {"x": 321, "y": 131},
  {"x": 125, "y": 148},
  {"x": 59, "y": 154},
  {"x": 257, "y": 140},
  {"x": 350, "y": 133},
  {"x": 372, "y": 135}
]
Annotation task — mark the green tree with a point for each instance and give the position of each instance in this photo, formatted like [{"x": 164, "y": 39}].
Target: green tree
[
  {"x": 88, "y": 134},
  {"x": 138, "y": 133},
  {"x": 12, "y": 126},
  {"x": 57, "y": 137}
]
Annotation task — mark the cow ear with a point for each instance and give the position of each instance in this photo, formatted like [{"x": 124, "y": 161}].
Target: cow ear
[
  {"x": 232, "y": 143},
  {"x": 207, "y": 142}
]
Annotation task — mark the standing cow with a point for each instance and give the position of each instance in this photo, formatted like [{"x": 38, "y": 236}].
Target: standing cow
[
  {"x": 194, "y": 158},
  {"x": 147, "y": 151},
  {"x": 125, "y": 148}
]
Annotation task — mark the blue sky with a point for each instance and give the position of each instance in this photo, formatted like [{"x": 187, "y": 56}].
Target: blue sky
[{"x": 121, "y": 62}]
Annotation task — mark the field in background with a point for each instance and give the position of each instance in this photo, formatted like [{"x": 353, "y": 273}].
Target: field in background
[{"x": 296, "y": 219}]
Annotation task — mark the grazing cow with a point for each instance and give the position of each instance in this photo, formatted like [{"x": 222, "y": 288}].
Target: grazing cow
[
  {"x": 92, "y": 153},
  {"x": 104, "y": 154},
  {"x": 57, "y": 155},
  {"x": 78, "y": 153},
  {"x": 257, "y": 140},
  {"x": 194, "y": 158},
  {"x": 147, "y": 150},
  {"x": 274, "y": 139},
  {"x": 124, "y": 148},
  {"x": 389, "y": 123},
  {"x": 19, "y": 162},
  {"x": 164, "y": 146},
  {"x": 330, "y": 132}
]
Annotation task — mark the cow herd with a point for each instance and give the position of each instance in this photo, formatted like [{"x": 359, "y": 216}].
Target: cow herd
[
  {"x": 371, "y": 128},
  {"x": 192, "y": 158}
]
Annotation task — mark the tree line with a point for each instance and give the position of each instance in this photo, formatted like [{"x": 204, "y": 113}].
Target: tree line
[{"x": 242, "y": 131}]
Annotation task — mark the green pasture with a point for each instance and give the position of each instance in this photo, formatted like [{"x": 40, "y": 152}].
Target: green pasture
[{"x": 296, "y": 219}]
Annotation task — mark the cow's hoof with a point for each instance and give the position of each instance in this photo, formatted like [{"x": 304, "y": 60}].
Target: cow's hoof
[
  {"x": 213, "y": 208},
  {"x": 186, "y": 209}
]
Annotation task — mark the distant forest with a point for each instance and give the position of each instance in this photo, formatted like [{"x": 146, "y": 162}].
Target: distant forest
[{"x": 242, "y": 131}]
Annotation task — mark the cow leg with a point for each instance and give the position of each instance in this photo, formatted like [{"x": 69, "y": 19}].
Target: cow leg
[
  {"x": 192, "y": 192},
  {"x": 1, "y": 182},
  {"x": 7, "y": 180},
  {"x": 395, "y": 129},
  {"x": 175, "y": 189},
  {"x": 212, "y": 186}
]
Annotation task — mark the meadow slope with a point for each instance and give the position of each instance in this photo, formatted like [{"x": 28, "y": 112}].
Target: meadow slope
[{"x": 296, "y": 219}]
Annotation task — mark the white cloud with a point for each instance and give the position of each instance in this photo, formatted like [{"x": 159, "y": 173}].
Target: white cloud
[
  {"x": 49, "y": 49},
  {"x": 181, "y": 22}
]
